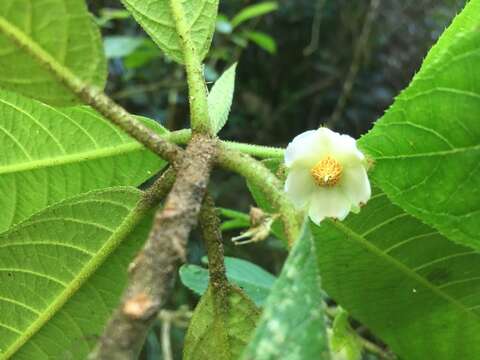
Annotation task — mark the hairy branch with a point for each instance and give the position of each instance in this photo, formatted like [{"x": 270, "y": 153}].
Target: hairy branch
[
  {"x": 94, "y": 97},
  {"x": 212, "y": 238},
  {"x": 182, "y": 137},
  {"x": 152, "y": 273}
]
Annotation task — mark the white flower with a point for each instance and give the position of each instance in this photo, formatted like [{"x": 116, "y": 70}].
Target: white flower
[{"x": 327, "y": 174}]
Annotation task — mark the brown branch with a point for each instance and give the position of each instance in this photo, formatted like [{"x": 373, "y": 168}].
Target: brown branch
[{"x": 152, "y": 273}]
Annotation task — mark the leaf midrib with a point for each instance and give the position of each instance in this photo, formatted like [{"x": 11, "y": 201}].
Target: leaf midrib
[
  {"x": 82, "y": 277},
  {"x": 429, "y": 154},
  {"x": 71, "y": 158},
  {"x": 403, "y": 268}
]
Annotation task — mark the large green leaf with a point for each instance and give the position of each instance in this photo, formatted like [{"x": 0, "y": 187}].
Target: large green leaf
[
  {"x": 62, "y": 28},
  {"x": 50, "y": 154},
  {"x": 292, "y": 325},
  {"x": 426, "y": 148},
  {"x": 252, "y": 279},
  {"x": 56, "y": 287},
  {"x": 413, "y": 287},
  {"x": 156, "y": 18},
  {"x": 220, "y": 332}
]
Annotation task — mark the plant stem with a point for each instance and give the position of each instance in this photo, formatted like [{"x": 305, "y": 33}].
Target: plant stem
[
  {"x": 259, "y": 151},
  {"x": 261, "y": 177},
  {"x": 196, "y": 82},
  {"x": 182, "y": 137},
  {"x": 92, "y": 96},
  {"x": 212, "y": 238}
]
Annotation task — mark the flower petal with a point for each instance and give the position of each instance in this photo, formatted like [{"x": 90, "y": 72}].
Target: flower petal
[
  {"x": 345, "y": 150},
  {"x": 299, "y": 186},
  {"x": 355, "y": 184},
  {"x": 328, "y": 202},
  {"x": 305, "y": 149}
]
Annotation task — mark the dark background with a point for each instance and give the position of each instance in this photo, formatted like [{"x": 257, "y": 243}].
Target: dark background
[{"x": 323, "y": 48}]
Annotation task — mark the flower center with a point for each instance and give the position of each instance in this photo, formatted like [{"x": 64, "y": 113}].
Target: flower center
[{"x": 327, "y": 172}]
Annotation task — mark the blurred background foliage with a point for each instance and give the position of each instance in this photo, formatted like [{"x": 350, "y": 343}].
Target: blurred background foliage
[{"x": 301, "y": 63}]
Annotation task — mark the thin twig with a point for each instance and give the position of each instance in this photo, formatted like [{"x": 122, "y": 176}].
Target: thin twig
[
  {"x": 355, "y": 65},
  {"x": 152, "y": 273},
  {"x": 315, "y": 32}
]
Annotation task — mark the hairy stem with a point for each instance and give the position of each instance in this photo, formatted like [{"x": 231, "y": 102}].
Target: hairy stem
[
  {"x": 182, "y": 137},
  {"x": 93, "y": 96},
  {"x": 262, "y": 177},
  {"x": 196, "y": 83},
  {"x": 212, "y": 238},
  {"x": 152, "y": 273}
]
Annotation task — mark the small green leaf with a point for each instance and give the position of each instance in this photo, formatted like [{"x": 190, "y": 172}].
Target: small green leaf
[
  {"x": 62, "y": 272},
  {"x": 51, "y": 154},
  {"x": 220, "y": 333},
  {"x": 292, "y": 325},
  {"x": 254, "y": 11},
  {"x": 62, "y": 28},
  {"x": 263, "y": 40},
  {"x": 410, "y": 285},
  {"x": 220, "y": 98},
  {"x": 252, "y": 279},
  {"x": 121, "y": 46},
  {"x": 156, "y": 18}
]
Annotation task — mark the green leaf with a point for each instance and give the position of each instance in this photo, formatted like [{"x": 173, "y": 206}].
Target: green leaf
[
  {"x": 220, "y": 98},
  {"x": 121, "y": 46},
  {"x": 410, "y": 285},
  {"x": 292, "y": 325},
  {"x": 252, "y": 279},
  {"x": 254, "y": 11},
  {"x": 219, "y": 333},
  {"x": 52, "y": 154},
  {"x": 263, "y": 40},
  {"x": 426, "y": 148},
  {"x": 62, "y": 28},
  {"x": 62, "y": 272},
  {"x": 156, "y": 18}
]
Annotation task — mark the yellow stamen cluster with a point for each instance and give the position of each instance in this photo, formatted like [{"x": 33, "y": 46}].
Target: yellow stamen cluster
[{"x": 327, "y": 172}]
